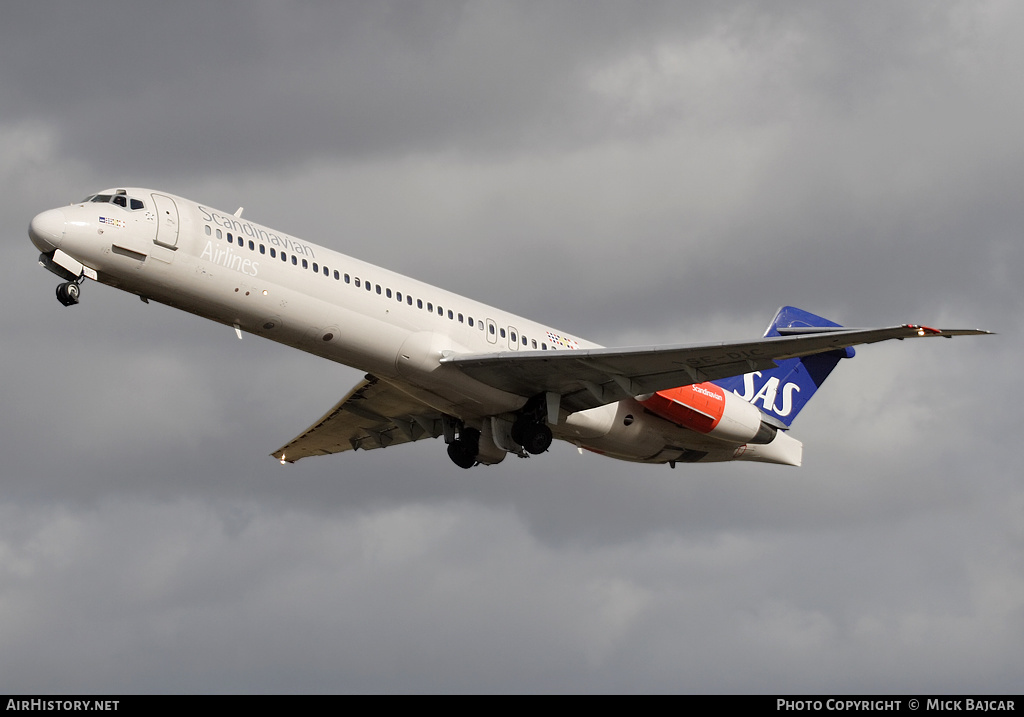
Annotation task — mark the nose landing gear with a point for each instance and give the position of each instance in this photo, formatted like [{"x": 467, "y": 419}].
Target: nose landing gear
[
  {"x": 68, "y": 293},
  {"x": 72, "y": 271}
]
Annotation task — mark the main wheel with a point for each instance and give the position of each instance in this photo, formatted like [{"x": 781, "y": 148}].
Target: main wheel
[
  {"x": 460, "y": 456},
  {"x": 463, "y": 451},
  {"x": 536, "y": 438}
]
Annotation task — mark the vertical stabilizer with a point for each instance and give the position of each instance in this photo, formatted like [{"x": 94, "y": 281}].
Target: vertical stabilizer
[{"x": 782, "y": 392}]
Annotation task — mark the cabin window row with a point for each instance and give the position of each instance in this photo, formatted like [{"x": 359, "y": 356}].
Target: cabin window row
[
  {"x": 241, "y": 242},
  {"x": 430, "y": 308}
]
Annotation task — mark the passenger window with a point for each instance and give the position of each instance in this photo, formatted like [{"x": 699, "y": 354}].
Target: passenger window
[
  {"x": 470, "y": 321},
  {"x": 348, "y": 280},
  {"x": 430, "y": 307},
  {"x": 231, "y": 238},
  {"x": 357, "y": 280},
  {"x": 534, "y": 342},
  {"x": 378, "y": 289},
  {"x": 387, "y": 293},
  {"x": 316, "y": 268},
  {"x": 408, "y": 300},
  {"x": 502, "y": 332},
  {"x": 219, "y": 235},
  {"x": 284, "y": 257},
  {"x": 273, "y": 253},
  {"x": 419, "y": 303},
  {"x": 295, "y": 260},
  {"x": 513, "y": 336},
  {"x": 209, "y": 232},
  {"x": 263, "y": 249},
  {"x": 440, "y": 311},
  {"x": 305, "y": 264},
  {"x": 491, "y": 329},
  {"x": 398, "y": 295},
  {"x": 450, "y": 314}
]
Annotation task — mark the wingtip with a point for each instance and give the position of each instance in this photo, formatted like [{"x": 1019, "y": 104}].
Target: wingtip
[{"x": 945, "y": 333}]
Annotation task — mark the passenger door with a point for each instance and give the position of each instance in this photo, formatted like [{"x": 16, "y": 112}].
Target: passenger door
[{"x": 166, "y": 221}]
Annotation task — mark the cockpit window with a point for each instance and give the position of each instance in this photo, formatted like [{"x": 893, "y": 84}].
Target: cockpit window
[{"x": 120, "y": 199}]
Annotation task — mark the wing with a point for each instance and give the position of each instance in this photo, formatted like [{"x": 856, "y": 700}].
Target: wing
[
  {"x": 374, "y": 414},
  {"x": 587, "y": 378}
]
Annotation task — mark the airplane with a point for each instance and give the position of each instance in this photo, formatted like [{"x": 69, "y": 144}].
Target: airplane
[{"x": 439, "y": 364}]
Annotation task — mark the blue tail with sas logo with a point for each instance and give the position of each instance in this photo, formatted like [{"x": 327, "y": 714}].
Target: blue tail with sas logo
[{"x": 783, "y": 391}]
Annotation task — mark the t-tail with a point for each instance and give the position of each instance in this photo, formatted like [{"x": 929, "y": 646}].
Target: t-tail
[{"x": 782, "y": 392}]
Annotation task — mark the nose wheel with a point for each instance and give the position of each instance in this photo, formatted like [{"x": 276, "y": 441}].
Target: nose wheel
[{"x": 68, "y": 293}]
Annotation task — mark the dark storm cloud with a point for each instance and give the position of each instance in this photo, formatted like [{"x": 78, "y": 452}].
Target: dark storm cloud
[
  {"x": 635, "y": 173},
  {"x": 261, "y": 85},
  {"x": 278, "y": 85}
]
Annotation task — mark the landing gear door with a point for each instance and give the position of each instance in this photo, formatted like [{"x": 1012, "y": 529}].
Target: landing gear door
[{"x": 166, "y": 221}]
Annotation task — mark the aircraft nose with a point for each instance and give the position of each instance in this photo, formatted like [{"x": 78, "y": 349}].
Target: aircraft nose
[{"x": 47, "y": 230}]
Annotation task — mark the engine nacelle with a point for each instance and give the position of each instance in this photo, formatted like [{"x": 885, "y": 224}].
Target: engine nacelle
[{"x": 708, "y": 409}]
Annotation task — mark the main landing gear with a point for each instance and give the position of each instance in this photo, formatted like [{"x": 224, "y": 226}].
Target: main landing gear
[
  {"x": 531, "y": 429},
  {"x": 464, "y": 448},
  {"x": 69, "y": 292}
]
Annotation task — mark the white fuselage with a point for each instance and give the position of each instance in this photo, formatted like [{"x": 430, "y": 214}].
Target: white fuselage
[{"x": 264, "y": 282}]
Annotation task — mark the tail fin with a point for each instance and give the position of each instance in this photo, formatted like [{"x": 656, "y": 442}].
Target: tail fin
[{"x": 782, "y": 392}]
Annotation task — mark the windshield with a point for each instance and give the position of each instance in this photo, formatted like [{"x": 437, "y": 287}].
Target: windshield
[{"x": 120, "y": 199}]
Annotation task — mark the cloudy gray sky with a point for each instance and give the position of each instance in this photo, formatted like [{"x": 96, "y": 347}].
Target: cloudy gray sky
[{"x": 631, "y": 172}]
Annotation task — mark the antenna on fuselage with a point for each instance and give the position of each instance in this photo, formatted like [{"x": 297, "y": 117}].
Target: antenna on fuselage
[{"x": 239, "y": 212}]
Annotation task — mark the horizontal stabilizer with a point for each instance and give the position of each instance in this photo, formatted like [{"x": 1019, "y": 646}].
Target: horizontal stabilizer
[{"x": 781, "y": 392}]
